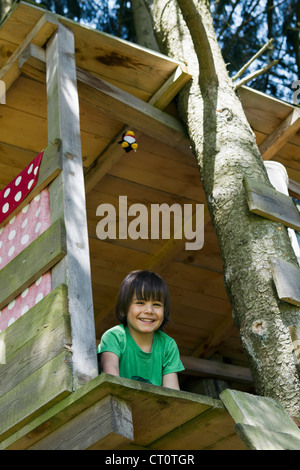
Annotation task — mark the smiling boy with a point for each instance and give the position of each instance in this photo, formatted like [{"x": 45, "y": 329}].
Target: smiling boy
[{"x": 138, "y": 349}]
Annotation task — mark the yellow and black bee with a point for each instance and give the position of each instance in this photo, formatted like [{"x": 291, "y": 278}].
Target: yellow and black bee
[{"x": 128, "y": 141}]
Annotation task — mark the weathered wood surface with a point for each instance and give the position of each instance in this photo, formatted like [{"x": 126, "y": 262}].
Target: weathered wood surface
[
  {"x": 262, "y": 422},
  {"x": 286, "y": 277},
  {"x": 36, "y": 372},
  {"x": 67, "y": 201},
  {"x": 267, "y": 202},
  {"x": 35, "y": 338},
  {"x": 35, "y": 260},
  {"x": 156, "y": 411},
  {"x": 105, "y": 425},
  {"x": 49, "y": 169}
]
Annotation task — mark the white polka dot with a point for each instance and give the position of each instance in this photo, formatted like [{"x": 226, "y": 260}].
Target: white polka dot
[
  {"x": 38, "y": 281},
  {"x": 25, "y": 209},
  {"x": 0, "y": 243},
  {"x": 25, "y": 221},
  {"x": 30, "y": 169},
  {"x": 38, "y": 212},
  {"x": 11, "y": 251},
  {"x": 30, "y": 184},
  {"x": 38, "y": 226},
  {"x": 18, "y": 196},
  {"x": 24, "y": 293},
  {"x": 39, "y": 297},
  {"x": 24, "y": 239},
  {"x": 11, "y": 305},
  {"x": 25, "y": 309},
  {"x": 18, "y": 180},
  {"x": 12, "y": 220},
  {"x": 6, "y": 192},
  {"x": 5, "y": 208},
  {"x": 37, "y": 197},
  {"x": 11, "y": 321},
  {"x": 36, "y": 170},
  {"x": 12, "y": 234}
]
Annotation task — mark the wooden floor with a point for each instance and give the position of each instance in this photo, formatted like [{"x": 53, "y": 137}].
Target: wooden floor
[{"x": 161, "y": 418}]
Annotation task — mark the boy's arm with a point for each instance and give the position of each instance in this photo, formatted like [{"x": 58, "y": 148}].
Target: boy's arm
[
  {"x": 109, "y": 362},
  {"x": 171, "y": 381}
]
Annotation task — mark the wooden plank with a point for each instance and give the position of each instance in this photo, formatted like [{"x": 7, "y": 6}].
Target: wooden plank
[
  {"x": 280, "y": 136},
  {"x": 31, "y": 324},
  {"x": 142, "y": 116},
  {"x": 105, "y": 425},
  {"x": 150, "y": 405},
  {"x": 257, "y": 411},
  {"x": 49, "y": 169},
  {"x": 256, "y": 438},
  {"x": 34, "y": 351},
  {"x": 40, "y": 32},
  {"x": 295, "y": 337},
  {"x": 36, "y": 259},
  {"x": 67, "y": 201},
  {"x": 267, "y": 202},
  {"x": 286, "y": 277},
  {"x": 45, "y": 387},
  {"x": 203, "y": 367}
]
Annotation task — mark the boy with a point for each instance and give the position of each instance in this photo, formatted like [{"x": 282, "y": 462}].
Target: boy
[{"x": 138, "y": 349}]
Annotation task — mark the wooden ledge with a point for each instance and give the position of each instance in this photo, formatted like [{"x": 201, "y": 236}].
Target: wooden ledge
[{"x": 157, "y": 412}]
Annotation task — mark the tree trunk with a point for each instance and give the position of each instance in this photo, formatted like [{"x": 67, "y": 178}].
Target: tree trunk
[{"x": 226, "y": 150}]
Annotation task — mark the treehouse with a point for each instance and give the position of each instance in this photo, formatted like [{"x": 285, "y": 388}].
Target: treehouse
[{"x": 71, "y": 93}]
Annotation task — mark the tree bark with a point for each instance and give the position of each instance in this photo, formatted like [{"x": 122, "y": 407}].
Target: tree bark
[{"x": 226, "y": 151}]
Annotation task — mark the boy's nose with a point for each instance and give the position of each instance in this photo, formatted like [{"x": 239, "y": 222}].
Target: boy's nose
[{"x": 148, "y": 307}]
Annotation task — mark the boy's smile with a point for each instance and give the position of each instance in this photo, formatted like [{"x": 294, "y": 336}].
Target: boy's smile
[{"x": 144, "y": 316}]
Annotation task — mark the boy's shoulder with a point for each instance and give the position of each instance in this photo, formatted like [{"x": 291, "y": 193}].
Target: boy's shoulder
[
  {"x": 164, "y": 338},
  {"x": 117, "y": 330}
]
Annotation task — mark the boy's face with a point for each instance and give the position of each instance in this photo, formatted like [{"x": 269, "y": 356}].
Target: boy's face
[{"x": 145, "y": 316}]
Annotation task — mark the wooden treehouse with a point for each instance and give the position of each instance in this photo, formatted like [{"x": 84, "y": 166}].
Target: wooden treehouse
[{"x": 71, "y": 92}]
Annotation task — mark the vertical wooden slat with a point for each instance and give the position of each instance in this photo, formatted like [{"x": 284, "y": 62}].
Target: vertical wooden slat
[{"x": 68, "y": 201}]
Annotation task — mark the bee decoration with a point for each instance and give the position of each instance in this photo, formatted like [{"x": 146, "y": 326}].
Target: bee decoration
[{"x": 128, "y": 141}]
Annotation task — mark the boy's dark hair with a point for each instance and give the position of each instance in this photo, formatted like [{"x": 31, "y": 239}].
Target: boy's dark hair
[{"x": 145, "y": 285}]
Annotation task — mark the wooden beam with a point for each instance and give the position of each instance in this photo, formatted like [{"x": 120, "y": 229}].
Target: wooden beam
[
  {"x": 38, "y": 35},
  {"x": 287, "y": 280},
  {"x": 215, "y": 369},
  {"x": 280, "y": 136},
  {"x": 67, "y": 201},
  {"x": 135, "y": 112},
  {"x": 294, "y": 188},
  {"x": 103, "y": 426},
  {"x": 274, "y": 205},
  {"x": 35, "y": 260}
]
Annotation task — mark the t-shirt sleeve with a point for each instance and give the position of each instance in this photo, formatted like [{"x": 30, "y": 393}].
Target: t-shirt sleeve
[
  {"x": 172, "y": 361},
  {"x": 111, "y": 341}
]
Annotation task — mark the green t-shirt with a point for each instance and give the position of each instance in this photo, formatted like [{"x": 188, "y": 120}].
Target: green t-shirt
[{"x": 136, "y": 364}]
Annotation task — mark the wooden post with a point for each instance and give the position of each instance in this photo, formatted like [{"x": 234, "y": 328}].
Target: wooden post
[{"x": 67, "y": 199}]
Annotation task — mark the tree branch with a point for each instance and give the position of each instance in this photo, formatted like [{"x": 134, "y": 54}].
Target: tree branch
[
  {"x": 242, "y": 70},
  {"x": 202, "y": 46},
  {"x": 255, "y": 74}
]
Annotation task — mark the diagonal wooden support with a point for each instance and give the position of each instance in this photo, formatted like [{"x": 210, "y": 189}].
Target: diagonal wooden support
[
  {"x": 283, "y": 132},
  {"x": 38, "y": 36}
]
